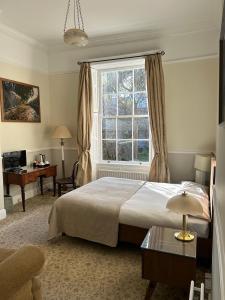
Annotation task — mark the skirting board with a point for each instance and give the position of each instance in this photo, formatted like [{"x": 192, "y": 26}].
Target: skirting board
[{"x": 2, "y": 214}]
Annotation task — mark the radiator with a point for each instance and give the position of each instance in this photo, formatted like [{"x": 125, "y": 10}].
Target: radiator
[{"x": 122, "y": 174}]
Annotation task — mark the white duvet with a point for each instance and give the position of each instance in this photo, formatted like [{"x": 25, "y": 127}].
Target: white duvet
[{"x": 147, "y": 207}]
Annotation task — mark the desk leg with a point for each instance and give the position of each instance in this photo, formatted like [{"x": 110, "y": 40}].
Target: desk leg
[
  {"x": 23, "y": 197},
  {"x": 150, "y": 290},
  {"x": 41, "y": 184},
  {"x": 54, "y": 186},
  {"x": 7, "y": 189}
]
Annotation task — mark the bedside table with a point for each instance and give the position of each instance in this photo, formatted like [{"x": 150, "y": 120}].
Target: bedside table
[{"x": 167, "y": 260}]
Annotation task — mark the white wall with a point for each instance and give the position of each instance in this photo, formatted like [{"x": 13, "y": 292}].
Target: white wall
[{"x": 219, "y": 227}]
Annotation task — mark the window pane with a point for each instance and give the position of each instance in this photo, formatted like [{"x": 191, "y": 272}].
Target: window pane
[
  {"x": 109, "y": 105},
  {"x": 109, "y": 82},
  {"x": 141, "y": 150},
  {"x": 139, "y": 80},
  {"x": 126, "y": 81},
  {"x": 109, "y": 150},
  {"x": 109, "y": 128},
  {"x": 141, "y": 128},
  {"x": 124, "y": 128},
  {"x": 125, "y": 104},
  {"x": 124, "y": 150},
  {"x": 140, "y": 104}
]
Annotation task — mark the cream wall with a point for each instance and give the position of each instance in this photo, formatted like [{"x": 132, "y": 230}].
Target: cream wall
[
  {"x": 63, "y": 94},
  {"x": 63, "y": 101},
  {"x": 27, "y": 135},
  {"x": 191, "y": 90},
  {"x": 34, "y": 137}
]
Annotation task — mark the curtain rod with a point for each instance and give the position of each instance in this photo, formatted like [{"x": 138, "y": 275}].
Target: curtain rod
[{"x": 138, "y": 55}]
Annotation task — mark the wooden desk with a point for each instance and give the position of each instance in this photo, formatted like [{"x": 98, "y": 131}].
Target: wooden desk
[
  {"x": 29, "y": 175},
  {"x": 167, "y": 260}
]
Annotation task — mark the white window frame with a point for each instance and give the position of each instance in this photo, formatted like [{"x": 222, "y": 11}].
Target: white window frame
[{"x": 100, "y": 118}]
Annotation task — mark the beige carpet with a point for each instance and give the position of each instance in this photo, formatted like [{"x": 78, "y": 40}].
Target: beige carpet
[{"x": 78, "y": 269}]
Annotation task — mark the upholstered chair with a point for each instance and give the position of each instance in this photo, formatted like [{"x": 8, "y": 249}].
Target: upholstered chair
[{"x": 18, "y": 271}]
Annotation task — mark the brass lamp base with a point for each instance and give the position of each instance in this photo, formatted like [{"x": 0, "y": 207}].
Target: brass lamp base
[{"x": 184, "y": 236}]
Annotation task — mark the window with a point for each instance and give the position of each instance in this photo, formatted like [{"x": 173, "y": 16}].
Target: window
[{"x": 123, "y": 120}]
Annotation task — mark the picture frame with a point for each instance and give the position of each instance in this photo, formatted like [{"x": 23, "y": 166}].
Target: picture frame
[{"x": 20, "y": 102}]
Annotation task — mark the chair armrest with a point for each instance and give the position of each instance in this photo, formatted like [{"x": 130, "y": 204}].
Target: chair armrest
[
  {"x": 19, "y": 268},
  {"x": 4, "y": 253}
]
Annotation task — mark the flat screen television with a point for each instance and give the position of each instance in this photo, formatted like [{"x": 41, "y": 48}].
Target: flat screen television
[
  {"x": 222, "y": 73},
  {"x": 14, "y": 160}
]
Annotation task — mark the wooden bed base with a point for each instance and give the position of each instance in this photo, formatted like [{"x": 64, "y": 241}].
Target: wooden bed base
[{"x": 135, "y": 235}]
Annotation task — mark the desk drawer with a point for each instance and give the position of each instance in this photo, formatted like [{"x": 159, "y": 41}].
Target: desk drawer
[
  {"x": 51, "y": 171},
  {"x": 28, "y": 178}
]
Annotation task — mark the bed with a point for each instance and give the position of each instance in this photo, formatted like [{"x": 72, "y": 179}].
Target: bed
[{"x": 111, "y": 210}]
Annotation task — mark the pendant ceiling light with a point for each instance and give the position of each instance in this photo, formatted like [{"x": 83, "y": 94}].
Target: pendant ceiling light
[{"x": 75, "y": 35}]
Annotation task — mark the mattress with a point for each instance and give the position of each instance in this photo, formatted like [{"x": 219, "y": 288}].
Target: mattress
[{"x": 147, "y": 207}]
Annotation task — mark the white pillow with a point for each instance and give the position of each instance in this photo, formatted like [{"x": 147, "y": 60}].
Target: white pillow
[{"x": 200, "y": 192}]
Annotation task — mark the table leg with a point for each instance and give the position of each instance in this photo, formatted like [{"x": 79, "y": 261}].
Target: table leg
[
  {"x": 7, "y": 189},
  {"x": 150, "y": 290},
  {"x": 54, "y": 186},
  {"x": 59, "y": 189},
  {"x": 23, "y": 197},
  {"x": 41, "y": 184}
]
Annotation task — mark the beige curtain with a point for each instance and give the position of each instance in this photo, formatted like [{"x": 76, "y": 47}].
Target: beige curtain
[
  {"x": 159, "y": 170},
  {"x": 84, "y": 124}
]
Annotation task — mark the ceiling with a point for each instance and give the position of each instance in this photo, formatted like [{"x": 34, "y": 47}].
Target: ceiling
[{"x": 43, "y": 20}]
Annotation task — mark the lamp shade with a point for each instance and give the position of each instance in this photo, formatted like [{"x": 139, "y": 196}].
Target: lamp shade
[
  {"x": 185, "y": 204},
  {"x": 75, "y": 36},
  {"x": 61, "y": 132},
  {"x": 202, "y": 162}
]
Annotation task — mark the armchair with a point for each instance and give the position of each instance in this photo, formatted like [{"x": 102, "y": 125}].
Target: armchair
[{"x": 18, "y": 269}]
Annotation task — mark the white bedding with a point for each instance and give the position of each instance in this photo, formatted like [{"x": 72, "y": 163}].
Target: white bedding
[
  {"x": 94, "y": 211},
  {"x": 147, "y": 207}
]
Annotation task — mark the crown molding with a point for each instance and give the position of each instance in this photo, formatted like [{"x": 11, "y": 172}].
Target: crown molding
[
  {"x": 8, "y": 31},
  {"x": 20, "y": 50},
  {"x": 29, "y": 53},
  {"x": 173, "y": 30}
]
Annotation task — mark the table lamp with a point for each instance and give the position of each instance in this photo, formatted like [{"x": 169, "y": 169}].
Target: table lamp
[
  {"x": 62, "y": 132},
  {"x": 202, "y": 166},
  {"x": 184, "y": 204}
]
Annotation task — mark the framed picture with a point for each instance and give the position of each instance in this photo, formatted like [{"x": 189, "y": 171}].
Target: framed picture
[{"x": 20, "y": 102}]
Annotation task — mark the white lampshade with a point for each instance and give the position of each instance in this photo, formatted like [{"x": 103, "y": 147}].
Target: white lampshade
[
  {"x": 61, "y": 132},
  {"x": 202, "y": 162},
  {"x": 185, "y": 204}
]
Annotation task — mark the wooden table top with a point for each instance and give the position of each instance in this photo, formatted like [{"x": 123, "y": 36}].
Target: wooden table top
[
  {"x": 162, "y": 239},
  {"x": 27, "y": 170}
]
